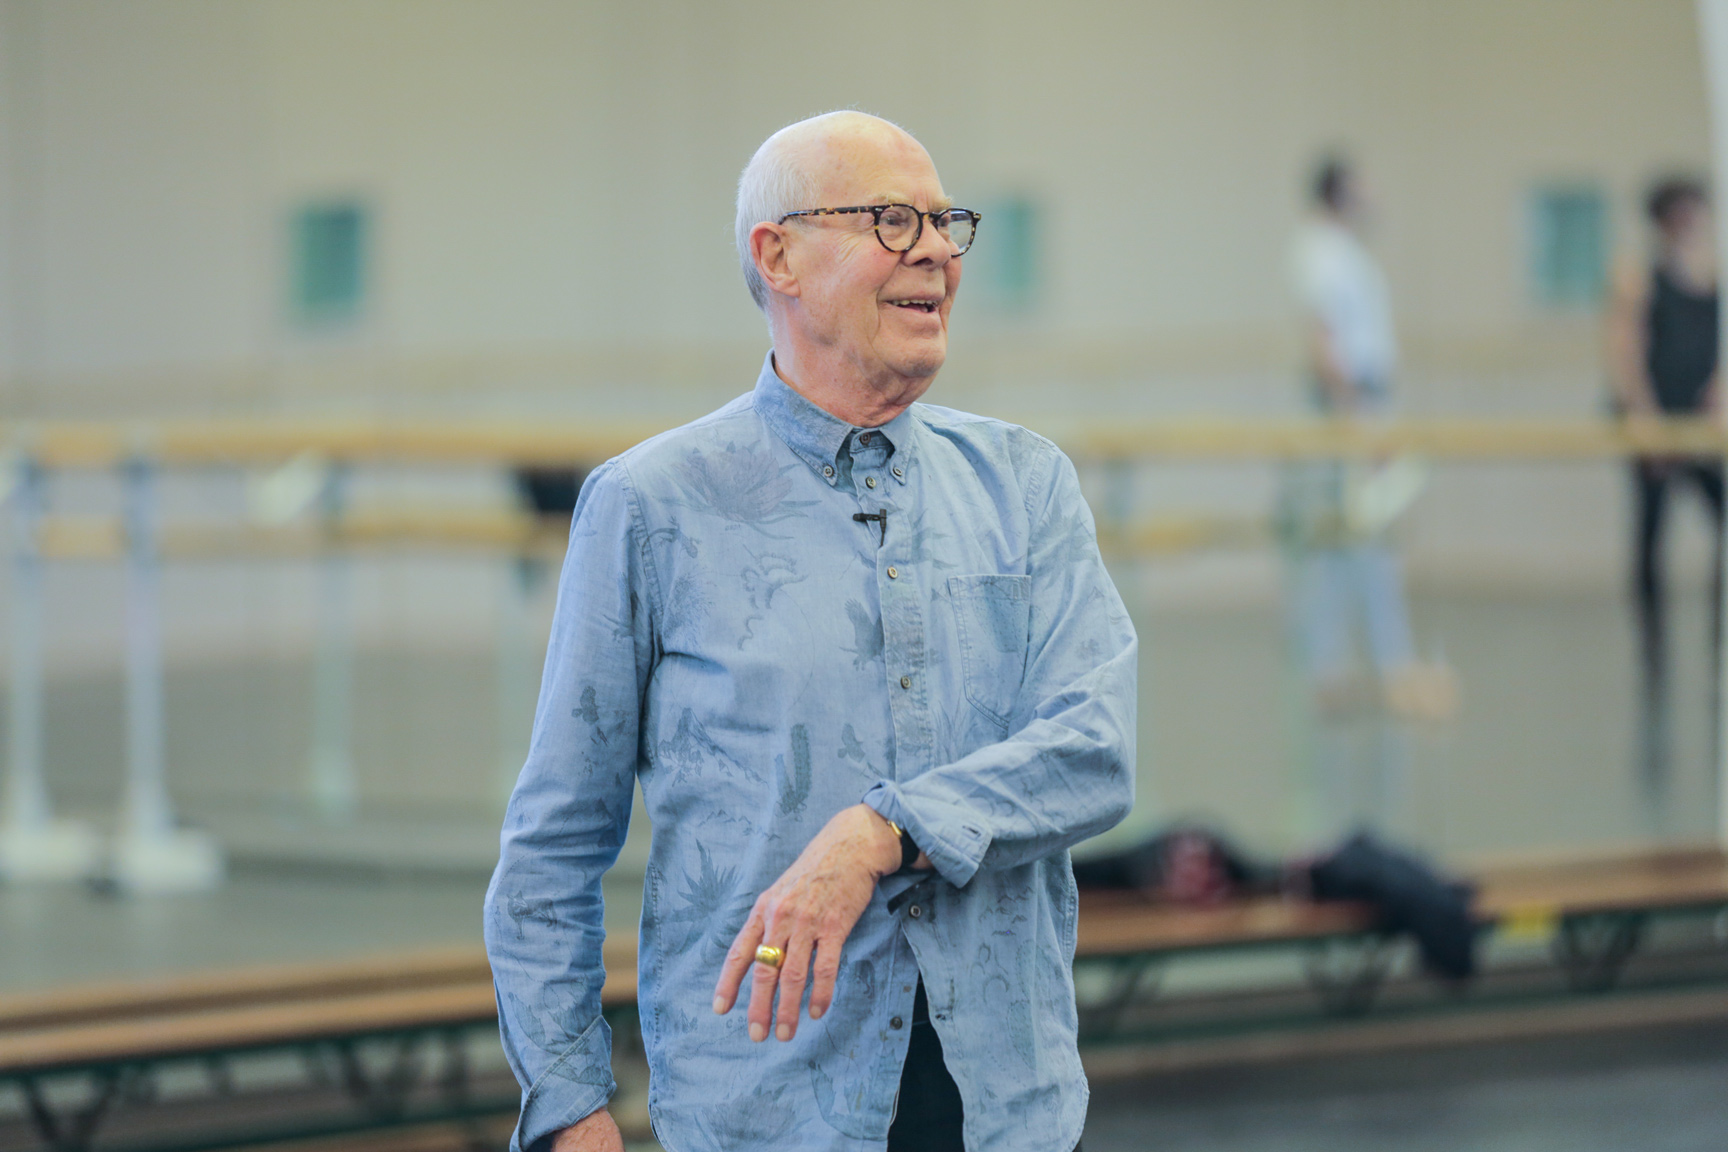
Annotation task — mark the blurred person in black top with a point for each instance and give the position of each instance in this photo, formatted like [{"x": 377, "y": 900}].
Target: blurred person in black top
[{"x": 1662, "y": 337}]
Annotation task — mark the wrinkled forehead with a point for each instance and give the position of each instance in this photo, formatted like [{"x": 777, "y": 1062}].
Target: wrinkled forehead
[{"x": 876, "y": 166}]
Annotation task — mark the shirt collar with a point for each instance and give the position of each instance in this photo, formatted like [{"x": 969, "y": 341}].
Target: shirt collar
[{"x": 817, "y": 436}]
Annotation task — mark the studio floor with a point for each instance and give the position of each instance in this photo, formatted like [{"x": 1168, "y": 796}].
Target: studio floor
[
  {"x": 1654, "y": 1091},
  {"x": 1542, "y": 758}
]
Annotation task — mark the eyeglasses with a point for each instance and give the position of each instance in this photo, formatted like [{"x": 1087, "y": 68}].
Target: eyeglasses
[{"x": 900, "y": 226}]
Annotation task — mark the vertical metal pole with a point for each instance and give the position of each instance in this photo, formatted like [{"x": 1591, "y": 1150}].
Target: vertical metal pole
[
  {"x": 1121, "y": 476},
  {"x": 1713, "y": 36},
  {"x": 334, "y": 793},
  {"x": 515, "y": 702},
  {"x": 33, "y": 845},
  {"x": 151, "y": 854},
  {"x": 27, "y": 809},
  {"x": 1119, "y": 502},
  {"x": 148, "y": 815}
]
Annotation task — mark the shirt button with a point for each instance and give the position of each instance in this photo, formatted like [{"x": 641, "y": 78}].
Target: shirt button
[
  {"x": 898, "y": 474},
  {"x": 916, "y": 911},
  {"x": 893, "y": 573},
  {"x": 905, "y": 681},
  {"x": 828, "y": 471},
  {"x": 896, "y": 1023},
  {"x": 869, "y": 481}
]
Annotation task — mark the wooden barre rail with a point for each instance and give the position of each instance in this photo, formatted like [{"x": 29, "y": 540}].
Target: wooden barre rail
[
  {"x": 102, "y": 539},
  {"x": 1439, "y": 439},
  {"x": 262, "y": 443}
]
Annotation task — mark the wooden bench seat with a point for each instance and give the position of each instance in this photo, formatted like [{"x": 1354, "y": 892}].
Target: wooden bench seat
[
  {"x": 1642, "y": 882},
  {"x": 113, "y": 1037},
  {"x": 1595, "y": 911},
  {"x": 237, "y": 1029},
  {"x": 1122, "y": 923},
  {"x": 1126, "y": 923},
  {"x": 259, "y": 1007},
  {"x": 246, "y": 986}
]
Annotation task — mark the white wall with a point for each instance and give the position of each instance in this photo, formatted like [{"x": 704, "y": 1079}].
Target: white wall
[
  {"x": 14, "y": 86},
  {"x": 554, "y": 179},
  {"x": 553, "y": 183}
]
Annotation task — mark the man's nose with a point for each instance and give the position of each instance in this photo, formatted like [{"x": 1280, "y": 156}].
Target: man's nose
[{"x": 931, "y": 246}]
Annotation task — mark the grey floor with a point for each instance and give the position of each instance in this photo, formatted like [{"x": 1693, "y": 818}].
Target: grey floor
[
  {"x": 1664, "y": 1091},
  {"x": 1543, "y": 756},
  {"x": 66, "y": 933}
]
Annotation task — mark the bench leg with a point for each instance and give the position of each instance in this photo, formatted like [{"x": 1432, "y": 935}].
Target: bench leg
[
  {"x": 1593, "y": 949},
  {"x": 384, "y": 1097},
  {"x": 1346, "y": 973},
  {"x": 75, "y": 1130},
  {"x": 220, "y": 1075},
  {"x": 1102, "y": 1019}
]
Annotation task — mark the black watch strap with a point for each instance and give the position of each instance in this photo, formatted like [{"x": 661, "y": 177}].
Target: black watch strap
[{"x": 909, "y": 851}]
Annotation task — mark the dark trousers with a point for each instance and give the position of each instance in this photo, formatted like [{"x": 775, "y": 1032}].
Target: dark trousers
[
  {"x": 930, "y": 1117},
  {"x": 1653, "y": 481}
]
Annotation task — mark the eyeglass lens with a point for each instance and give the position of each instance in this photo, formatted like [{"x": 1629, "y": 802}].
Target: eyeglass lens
[{"x": 898, "y": 227}]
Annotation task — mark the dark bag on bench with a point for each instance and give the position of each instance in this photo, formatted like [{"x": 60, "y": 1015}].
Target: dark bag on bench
[{"x": 1410, "y": 897}]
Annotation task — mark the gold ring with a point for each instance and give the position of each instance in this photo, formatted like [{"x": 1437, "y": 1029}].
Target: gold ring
[{"x": 770, "y": 955}]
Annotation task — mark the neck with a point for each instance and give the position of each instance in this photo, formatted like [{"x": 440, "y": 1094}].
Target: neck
[
  {"x": 1693, "y": 261},
  {"x": 859, "y": 402}
]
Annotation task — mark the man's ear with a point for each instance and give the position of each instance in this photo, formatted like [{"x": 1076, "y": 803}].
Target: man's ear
[{"x": 773, "y": 260}]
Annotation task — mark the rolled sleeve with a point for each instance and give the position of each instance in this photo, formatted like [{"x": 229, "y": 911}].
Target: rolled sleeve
[{"x": 943, "y": 832}]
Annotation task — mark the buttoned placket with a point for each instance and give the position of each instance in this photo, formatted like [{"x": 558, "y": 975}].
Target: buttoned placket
[{"x": 872, "y": 460}]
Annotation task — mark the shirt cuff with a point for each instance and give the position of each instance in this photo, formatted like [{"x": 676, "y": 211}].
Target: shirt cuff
[
  {"x": 576, "y": 1085},
  {"x": 952, "y": 838}
]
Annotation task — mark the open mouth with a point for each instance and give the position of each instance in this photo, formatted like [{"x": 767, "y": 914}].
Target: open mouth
[{"x": 915, "y": 305}]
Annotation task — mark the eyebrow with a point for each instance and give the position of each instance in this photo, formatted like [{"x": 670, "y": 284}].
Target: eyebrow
[{"x": 941, "y": 204}]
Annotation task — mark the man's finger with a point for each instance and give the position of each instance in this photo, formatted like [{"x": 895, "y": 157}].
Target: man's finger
[
  {"x": 824, "y": 973},
  {"x": 793, "y": 974},
  {"x": 762, "y": 982},
  {"x": 739, "y": 957}
]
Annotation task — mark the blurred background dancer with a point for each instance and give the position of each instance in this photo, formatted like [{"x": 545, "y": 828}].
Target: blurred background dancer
[
  {"x": 1662, "y": 340},
  {"x": 1337, "y": 516}
]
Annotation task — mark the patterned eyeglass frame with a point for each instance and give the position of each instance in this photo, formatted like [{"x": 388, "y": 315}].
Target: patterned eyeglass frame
[{"x": 876, "y": 211}]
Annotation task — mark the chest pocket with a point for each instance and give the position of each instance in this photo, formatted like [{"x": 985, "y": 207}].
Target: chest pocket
[{"x": 994, "y": 615}]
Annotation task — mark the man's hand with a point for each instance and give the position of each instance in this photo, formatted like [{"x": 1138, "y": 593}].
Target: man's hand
[
  {"x": 595, "y": 1132},
  {"x": 808, "y": 913}
]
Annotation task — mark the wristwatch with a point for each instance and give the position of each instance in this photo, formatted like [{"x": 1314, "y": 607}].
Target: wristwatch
[{"x": 909, "y": 852}]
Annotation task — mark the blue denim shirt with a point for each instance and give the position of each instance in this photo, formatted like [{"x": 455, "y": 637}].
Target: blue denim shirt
[{"x": 731, "y": 636}]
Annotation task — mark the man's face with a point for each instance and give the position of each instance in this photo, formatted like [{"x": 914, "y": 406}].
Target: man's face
[
  {"x": 882, "y": 314},
  {"x": 1687, "y": 221},
  {"x": 1357, "y": 205}
]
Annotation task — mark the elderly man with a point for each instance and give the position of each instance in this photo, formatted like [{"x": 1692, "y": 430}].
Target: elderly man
[{"x": 866, "y": 663}]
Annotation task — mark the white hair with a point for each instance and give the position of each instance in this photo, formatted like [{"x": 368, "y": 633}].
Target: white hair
[{"x": 777, "y": 181}]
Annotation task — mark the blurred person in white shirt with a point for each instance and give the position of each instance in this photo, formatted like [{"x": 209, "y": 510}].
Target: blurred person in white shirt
[{"x": 1345, "y": 570}]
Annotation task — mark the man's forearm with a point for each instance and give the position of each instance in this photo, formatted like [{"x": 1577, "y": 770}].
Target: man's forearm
[{"x": 595, "y": 1132}]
